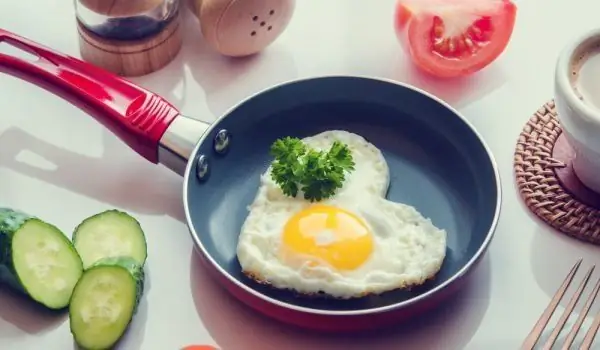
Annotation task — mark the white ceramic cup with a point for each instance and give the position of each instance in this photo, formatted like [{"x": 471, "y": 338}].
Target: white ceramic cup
[{"x": 580, "y": 122}]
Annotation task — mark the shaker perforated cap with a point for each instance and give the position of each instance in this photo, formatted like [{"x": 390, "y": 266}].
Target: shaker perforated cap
[{"x": 242, "y": 27}]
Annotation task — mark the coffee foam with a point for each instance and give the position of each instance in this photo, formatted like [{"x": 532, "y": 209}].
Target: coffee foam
[{"x": 585, "y": 73}]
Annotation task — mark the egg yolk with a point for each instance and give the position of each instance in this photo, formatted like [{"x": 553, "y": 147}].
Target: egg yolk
[{"x": 329, "y": 234}]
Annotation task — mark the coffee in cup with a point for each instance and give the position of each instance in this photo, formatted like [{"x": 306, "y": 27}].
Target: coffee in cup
[{"x": 585, "y": 74}]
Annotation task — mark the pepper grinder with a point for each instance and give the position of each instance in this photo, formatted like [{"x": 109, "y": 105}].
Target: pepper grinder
[
  {"x": 242, "y": 27},
  {"x": 129, "y": 37}
]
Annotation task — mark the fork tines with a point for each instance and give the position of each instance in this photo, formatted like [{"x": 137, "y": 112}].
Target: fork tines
[{"x": 537, "y": 330}]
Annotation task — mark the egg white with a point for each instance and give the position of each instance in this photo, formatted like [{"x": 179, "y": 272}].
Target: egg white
[
  {"x": 370, "y": 175},
  {"x": 408, "y": 248}
]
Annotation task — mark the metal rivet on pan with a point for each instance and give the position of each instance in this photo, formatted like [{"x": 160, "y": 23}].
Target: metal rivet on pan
[
  {"x": 202, "y": 168},
  {"x": 221, "y": 142}
]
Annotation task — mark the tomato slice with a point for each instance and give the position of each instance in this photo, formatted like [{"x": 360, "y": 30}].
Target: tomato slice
[{"x": 451, "y": 38}]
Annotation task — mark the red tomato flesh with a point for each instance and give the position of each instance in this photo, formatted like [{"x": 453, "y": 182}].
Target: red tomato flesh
[{"x": 451, "y": 38}]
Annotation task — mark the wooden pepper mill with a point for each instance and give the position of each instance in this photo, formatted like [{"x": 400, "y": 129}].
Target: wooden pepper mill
[
  {"x": 129, "y": 37},
  {"x": 242, "y": 27}
]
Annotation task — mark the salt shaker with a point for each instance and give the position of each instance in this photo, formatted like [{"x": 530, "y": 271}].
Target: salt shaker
[{"x": 242, "y": 27}]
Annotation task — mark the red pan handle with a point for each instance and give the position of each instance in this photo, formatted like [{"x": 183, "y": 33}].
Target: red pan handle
[{"x": 137, "y": 116}]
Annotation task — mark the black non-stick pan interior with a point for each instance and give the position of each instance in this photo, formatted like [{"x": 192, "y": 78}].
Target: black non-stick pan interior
[{"x": 437, "y": 164}]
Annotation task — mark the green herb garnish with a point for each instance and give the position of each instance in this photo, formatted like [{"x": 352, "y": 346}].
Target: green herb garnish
[{"x": 317, "y": 174}]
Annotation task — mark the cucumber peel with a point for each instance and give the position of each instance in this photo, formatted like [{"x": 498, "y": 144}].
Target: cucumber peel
[
  {"x": 111, "y": 233},
  {"x": 100, "y": 276},
  {"x": 104, "y": 301},
  {"x": 37, "y": 259}
]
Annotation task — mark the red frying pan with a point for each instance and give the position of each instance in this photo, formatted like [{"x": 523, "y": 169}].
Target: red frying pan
[{"x": 438, "y": 163}]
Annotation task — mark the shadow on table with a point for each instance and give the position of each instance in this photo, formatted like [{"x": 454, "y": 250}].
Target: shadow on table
[
  {"x": 388, "y": 58},
  {"x": 227, "y": 81},
  {"x": 28, "y": 316},
  {"x": 235, "y": 326},
  {"x": 109, "y": 178},
  {"x": 145, "y": 188},
  {"x": 552, "y": 256},
  {"x": 550, "y": 271},
  {"x": 458, "y": 92},
  {"x": 32, "y": 318}
]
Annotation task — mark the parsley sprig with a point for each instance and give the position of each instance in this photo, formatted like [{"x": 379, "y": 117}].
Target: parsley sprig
[{"x": 318, "y": 174}]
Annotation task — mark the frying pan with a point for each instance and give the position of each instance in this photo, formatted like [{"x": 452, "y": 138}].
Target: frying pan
[{"x": 438, "y": 163}]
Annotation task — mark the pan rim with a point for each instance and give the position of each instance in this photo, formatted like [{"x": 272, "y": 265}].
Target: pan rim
[{"x": 381, "y": 309}]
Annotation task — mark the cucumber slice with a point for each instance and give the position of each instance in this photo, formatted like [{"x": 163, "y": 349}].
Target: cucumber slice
[
  {"x": 104, "y": 302},
  {"x": 109, "y": 234},
  {"x": 37, "y": 259}
]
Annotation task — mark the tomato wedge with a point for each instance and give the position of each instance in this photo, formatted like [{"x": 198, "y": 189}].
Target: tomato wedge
[{"x": 452, "y": 38}]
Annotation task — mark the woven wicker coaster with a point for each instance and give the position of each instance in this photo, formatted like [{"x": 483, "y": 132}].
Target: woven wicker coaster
[{"x": 547, "y": 183}]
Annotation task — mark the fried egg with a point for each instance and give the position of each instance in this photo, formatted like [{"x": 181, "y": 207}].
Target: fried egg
[{"x": 350, "y": 245}]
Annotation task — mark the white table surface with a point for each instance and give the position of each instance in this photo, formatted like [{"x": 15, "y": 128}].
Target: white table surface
[{"x": 59, "y": 164}]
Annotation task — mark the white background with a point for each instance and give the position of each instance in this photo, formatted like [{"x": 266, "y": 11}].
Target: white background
[{"x": 59, "y": 164}]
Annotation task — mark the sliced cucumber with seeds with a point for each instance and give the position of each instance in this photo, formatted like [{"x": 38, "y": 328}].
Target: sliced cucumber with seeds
[
  {"x": 37, "y": 259},
  {"x": 108, "y": 234},
  {"x": 105, "y": 301}
]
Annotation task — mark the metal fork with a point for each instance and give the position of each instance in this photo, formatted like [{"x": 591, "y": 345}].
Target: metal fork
[{"x": 537, "y": 330}]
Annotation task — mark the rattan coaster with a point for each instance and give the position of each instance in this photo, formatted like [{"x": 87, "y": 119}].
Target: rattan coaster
[{"x": 547, "y": 183}]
